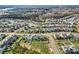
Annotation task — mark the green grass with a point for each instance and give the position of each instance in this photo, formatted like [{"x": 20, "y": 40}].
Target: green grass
[
  {"x": 18, "y": 50},
  {"x": 44, "y": 48}
]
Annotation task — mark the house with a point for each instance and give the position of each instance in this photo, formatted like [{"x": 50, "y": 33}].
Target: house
[
  {"x": 59, "y": 36},
  {"x": 2, "y": 36},
  {"x": 40, "y": 37},
  {"x": 11, "y": 40},
  {"x": 70, "y": 49},
  {"x": 76, "y": 36},
  {"x": 28, "y": 36},
  {"x": 64, "y": 36}
]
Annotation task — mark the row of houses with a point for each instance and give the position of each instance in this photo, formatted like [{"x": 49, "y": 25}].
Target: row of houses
[
  {"x": 41, "y": 38},
  {"x": 66, "y": 36},
  {"x": 2, "y": 36},
  {"x": 70, "y": 49},
  {"x": 51, "y": 29},
  {"x": 7, "y": 42},
  {"x": 15, "y": 25}
]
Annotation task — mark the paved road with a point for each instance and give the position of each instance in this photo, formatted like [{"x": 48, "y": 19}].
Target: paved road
[
  {"x": 13, "y": 33},
  {"x": 52, "y": 43}
]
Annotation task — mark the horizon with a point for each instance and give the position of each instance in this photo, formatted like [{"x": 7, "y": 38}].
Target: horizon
[{"x": 37, "y": 6}]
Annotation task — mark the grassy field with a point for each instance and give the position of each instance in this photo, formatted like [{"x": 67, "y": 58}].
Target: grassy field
[{"x": 41, "y": 48}]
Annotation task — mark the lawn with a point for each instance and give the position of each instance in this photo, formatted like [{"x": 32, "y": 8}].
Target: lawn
[{"x": 41, "y": 48}]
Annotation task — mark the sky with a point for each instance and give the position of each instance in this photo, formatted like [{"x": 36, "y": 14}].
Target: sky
[{"x": 39, "y": 2}]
